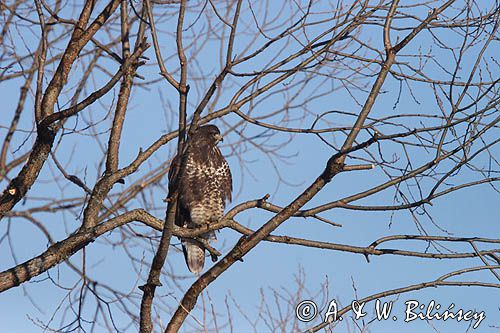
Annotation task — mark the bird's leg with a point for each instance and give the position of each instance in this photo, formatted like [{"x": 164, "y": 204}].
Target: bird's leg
[
  {"x": 214, "y": 254},
  {"x": 213, "y": 219}
]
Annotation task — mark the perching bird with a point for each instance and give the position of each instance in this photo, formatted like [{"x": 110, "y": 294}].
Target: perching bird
[{"x": 205, "y": 184}]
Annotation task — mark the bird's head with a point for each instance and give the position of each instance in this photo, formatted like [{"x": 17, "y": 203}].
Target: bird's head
[{"x": 208, "y": 134}]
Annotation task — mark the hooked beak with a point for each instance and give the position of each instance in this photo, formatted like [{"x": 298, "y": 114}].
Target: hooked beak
[{"x": 219, "y": 138}]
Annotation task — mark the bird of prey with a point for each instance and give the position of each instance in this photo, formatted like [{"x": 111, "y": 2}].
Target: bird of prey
[{"x": 204, "y": 186}]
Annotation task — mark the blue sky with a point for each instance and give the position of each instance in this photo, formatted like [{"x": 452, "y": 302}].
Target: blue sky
[{"x": 270, "y": 267}]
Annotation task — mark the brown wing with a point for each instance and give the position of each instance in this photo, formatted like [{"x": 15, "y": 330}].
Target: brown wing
[
  {"x": 182, "y": 217},
  {"x": 226, "y": 179},
  {"x": 173, "y": 169}
]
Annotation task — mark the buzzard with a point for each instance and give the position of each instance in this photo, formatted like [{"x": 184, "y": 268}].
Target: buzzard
[{"x": 204, "y": 185}]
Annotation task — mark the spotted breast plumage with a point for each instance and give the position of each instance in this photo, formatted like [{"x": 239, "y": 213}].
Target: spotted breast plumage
[{"x": 204, "y": 187}]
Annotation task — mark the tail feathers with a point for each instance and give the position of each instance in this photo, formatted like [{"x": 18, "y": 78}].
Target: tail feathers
[{"x": 194, "y": 254}]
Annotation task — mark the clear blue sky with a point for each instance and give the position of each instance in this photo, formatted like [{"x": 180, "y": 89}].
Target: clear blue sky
[{"x": 270, "y": 267}]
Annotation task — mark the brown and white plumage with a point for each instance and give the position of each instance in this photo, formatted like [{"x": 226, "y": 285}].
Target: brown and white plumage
[{"x": 205, "y": 184}]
